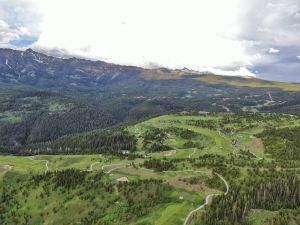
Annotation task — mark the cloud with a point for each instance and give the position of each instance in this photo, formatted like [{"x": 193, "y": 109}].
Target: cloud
[
  {"x": 170, "y": 33},
  {"x": 253, "y": 37},
  {"x": 19, "y": 23},
  {"x": 265, "y": 23},
  {"x": 242, "y": 71},
  {"x": 273, "y": 50},
  {"x": 6, "y": 34}
]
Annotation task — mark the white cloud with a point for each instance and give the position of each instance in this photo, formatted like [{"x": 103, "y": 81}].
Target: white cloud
[
  {"x": 275, "y": 23},
  {"x": 274, "y": 51},
  {"x": 172, "y": 33},
  {"x": 242, "y": 71},
  {"x": 18, "y": 20},
  {"x": 6, "y": 34}
]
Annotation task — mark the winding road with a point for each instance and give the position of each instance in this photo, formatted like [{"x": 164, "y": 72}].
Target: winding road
[
  {"x": 207, "y": 200},
  {"x": 118, "y": 166}
]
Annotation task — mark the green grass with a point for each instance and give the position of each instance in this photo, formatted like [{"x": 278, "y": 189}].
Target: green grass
[
  {"x": 214, "y": 143},
  {"x": 22, "y": 164},
  {"x": 185, "y": 196},
  {"x": 173, "y": 214},
  {"x": 259, "y": 217}
]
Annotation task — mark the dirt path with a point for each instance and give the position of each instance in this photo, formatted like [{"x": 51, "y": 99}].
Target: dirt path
[
  {"x": 200, "y": 207},
  {"x": 256, "y": 156},
  {"x": 91, "y": 166},
  {"x": 226, "y": 108},
  {"x": 270, "y": 96},
  {"x": 207, "y": 200},
  {"x": 190, "y": 155},
  {"x": 6, "y": 167},
  {"x": 225, "y": 182},
  {"x": 118, "y": 166},
  {"x": 137, "y": 131}
]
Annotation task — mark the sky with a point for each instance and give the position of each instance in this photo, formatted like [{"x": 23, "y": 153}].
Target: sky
[{"x": 233, "y": 37}]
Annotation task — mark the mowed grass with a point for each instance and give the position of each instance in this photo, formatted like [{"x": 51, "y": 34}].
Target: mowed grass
[
  {"x": 59, "y": 162},
  {"x": 249, "y": 142},
  {"x": 250, "y": 82},
  {"x": 185, "y": 197},
  {"x": 173, "y": 213},
  {"x": 215, "y": 143},
  {"x": 37, "y": 164},
  {"x": 22, "y": 164},
  {"x": 81, "y": 162}
]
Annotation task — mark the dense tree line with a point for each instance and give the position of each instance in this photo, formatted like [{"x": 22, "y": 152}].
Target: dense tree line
[
  {"x": 154, "y": 135},
  {"x": 270, "y": 190},
  {"x": 141, "y": 196},
  {"x": 154, "y": 138},
  {"x": 114, "y": 141},
  {"x": 209, "y": 160},
  {"x": 181, "y": 132},
  {"x": 283, "y": 143},
  {"x": 159, "y": 165},
  {"x": 285, "y": 217}
]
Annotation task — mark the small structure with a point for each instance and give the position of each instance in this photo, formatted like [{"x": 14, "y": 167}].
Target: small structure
[{"x": 125, "y": 152}]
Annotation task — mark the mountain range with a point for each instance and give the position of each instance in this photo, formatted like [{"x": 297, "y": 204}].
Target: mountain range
[{"x": 45, "y": 97}]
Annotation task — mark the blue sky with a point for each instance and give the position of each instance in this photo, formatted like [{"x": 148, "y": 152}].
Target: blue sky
[{"x": 233, "y": 37}]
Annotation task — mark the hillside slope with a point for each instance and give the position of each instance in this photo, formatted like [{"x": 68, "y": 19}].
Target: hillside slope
[{"x": 44, "y": 97}]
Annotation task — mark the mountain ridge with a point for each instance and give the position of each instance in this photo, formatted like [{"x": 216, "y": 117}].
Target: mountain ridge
[
  {"x": 37, "y": 56},
  {"x": 28, "y": 66},
  {"x": 43, "y": 98}
]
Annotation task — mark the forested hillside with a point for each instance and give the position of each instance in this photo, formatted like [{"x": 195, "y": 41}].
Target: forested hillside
[
  {"x": 106, "y": 141},
  {"x": 31, "y": 116},
  {"x": 185, "y": 168},
  {"x": 43, "y": 97},
  {"x": 268, "y": 190},
  {"x": 282, "y": 143}
]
